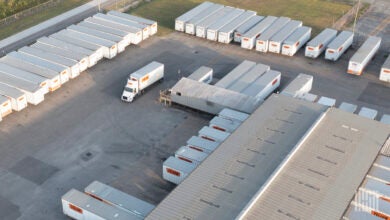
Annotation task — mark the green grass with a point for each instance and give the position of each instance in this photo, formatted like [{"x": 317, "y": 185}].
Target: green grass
[
  {"x": 30, "y": 21},
  {"x": 317, "y": 14}
]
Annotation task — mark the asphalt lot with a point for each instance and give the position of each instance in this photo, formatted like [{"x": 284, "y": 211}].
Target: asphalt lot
[{"x": 83, "y": 132}]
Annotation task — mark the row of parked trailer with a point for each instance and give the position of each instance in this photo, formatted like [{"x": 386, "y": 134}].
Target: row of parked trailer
[
  {"x": 101, "y": 201},
  {"x": 301, "y": 86},
  {"x": 31, "y": 72},
  {"x": 176, "y": 168}
]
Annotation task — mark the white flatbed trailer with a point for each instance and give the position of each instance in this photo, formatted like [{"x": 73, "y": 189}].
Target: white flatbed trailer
[{"x": 317, "y": 45}]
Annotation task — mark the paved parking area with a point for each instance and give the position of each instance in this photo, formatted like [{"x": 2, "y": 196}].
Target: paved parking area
[{"x": 83, "y": 132}]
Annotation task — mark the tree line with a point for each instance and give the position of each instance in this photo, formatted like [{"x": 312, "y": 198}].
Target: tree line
[{"x": 10, "y": 7}]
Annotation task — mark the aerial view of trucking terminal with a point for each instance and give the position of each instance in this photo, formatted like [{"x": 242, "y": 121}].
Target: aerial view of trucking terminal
[{"x": 194, "y": 109}]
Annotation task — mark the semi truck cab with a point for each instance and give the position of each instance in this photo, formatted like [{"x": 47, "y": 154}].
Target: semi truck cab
[{"x": 130, "y": 90}]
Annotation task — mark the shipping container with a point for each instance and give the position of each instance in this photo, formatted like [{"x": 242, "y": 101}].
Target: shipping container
[
  {"x": 233, "y": 114},
  {"x": 301, "y": 85},
  {"x": 348, "y": 107},
  {"x": 245, "y": 27},
  {"x": 99, "y": 50},
  {"x": 17, "y": 97},
  {"x": 264, "y": 86},
  {"x": 152, "y": 24},
  {"x": 145, "y": 29},
  {"x": 368, "y": 113},
  {"x": 80, "y": 206},
  {"x": 134, "y": 35},
  {"x": 385, "y": 71},
  {"x": 376, "y": 187},
  {"x": 309, "y": 97},
  {"x": 181, "y": 21},
  {"x": 176, "y": 170},
  {"x": 68, "y": 68},
  {"x": 27, "y": 76},
  {"x": 53, "y": 77},
  {"x": 226, "y": 33},
  {"x": 190, "y": 155},
  {"x": 276, "y": 41},
  {"x": 212, "y": 134},
  {"x": 202, "y": 74},
  {"x": 121, "y": 43},
  {"x": 296, "y": 40},
  {"x": 364, "y": 55},
  {"x": 82, "y": 60},
  {"x": 339, "y": 45},
  {"x": 235, "y": 74},
  {"x": 190, "y": 27},
  {"x": 5, "y": 106},
  {"x": 327, "y": 101},
  {"x": 201, "y": 28},
  {"x": 119, "y": 199},
  {"x": 224, "y": 124},
  {"x": 92, "y": 56},
  {"x": 248, "y": 40},
  {"x": 202, "y": 144},
  {"x": 249, "y": 77},
  {"x": 385, "y": 119},
  {"x": 262, "y": 42},
  {"x": 34, "y": 93},
  {"x": 318, "y": 44},
  {"x": 213, "y": 30}
]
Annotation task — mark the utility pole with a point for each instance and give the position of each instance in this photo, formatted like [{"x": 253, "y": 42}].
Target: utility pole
[
  {"x": 356, "y": 15},
  {"x": 98, "y": 2}
]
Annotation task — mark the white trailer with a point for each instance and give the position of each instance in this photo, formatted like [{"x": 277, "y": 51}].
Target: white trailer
[
  {"x": 96, "y": 48},
  {"x": 364, "y": 55},
  {"x": 52, "y": 61},
  {"x": 5, "y": 106},
  {"x": 119, "y": 199},
  {"x": 110, "y": 48},
  {"x": 213, "y": 30},
  {"x": 348, "y": 107},
  {"x": 248, "y": 40},
  {"x": 190, "y": 155},
  {"x": 301, "y": 85},
  {"x": 226, "y": 33},
  {"x": 121, "y": 43},
  {"x": 318, "y": 44},
  {"x": 249, "y": 77},
  {"x": 18, "y": 98},
  {"x": 126, "y": 36},
  {"x": 145, "y": 29},
  {"x": 176, "y": 170},
  {"x": 262, "y": 42},
  {"x": 193, "y": 22},
  {"x": 385, "y": 119},
  {"x": 92, "y": 56},
  {"x": 82, "y": 60},
  {"x": 34, "y": 93},
  {"x": 276, "y": 41},
  {"x": 223, "y": 124},
  {"x": 385, "y": 71},
  {"x": 27, "y": 76},
  {"x": 233, "y": 114},
  {"x": 264, "y": 86},
  {"x": 201, "y": 28},
  {"x": 296, "y": 40},
  {"x": 201, "y": 144},
  {"x": 245, "y": 27},
  {"x": 202, "y": 74},
  {"x": 53, "y": 77},
  {"x": 309, "y": 97},
  {"x": 152, "y": 24},
  {"x": 368, "y": 113},
  {"x": 339, "y": 45},
  {"x": 182, "y": 19},
  {"x": 327, "y": 101},
  {"x": 212, "y": 134},
  {"x": 80, "y": 206},
  {"x": 235, "y": 74},
  {"x": 139, "y": 80}
]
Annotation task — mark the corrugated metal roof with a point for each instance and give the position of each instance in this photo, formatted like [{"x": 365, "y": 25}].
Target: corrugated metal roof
[
  {"x": 221, "y": 186},
  {"x": 320, "y": 179}
]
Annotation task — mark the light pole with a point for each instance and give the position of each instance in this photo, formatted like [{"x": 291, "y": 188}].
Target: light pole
[
  {"x": 98, "y": 2},
  {"x": 356, "y": 15}
]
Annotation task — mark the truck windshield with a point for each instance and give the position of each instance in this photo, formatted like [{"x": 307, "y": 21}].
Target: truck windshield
[{"x": 128, "y": 89}]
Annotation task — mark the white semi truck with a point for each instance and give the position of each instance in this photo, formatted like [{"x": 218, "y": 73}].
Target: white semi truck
[{"x": 141, "y": 79}]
